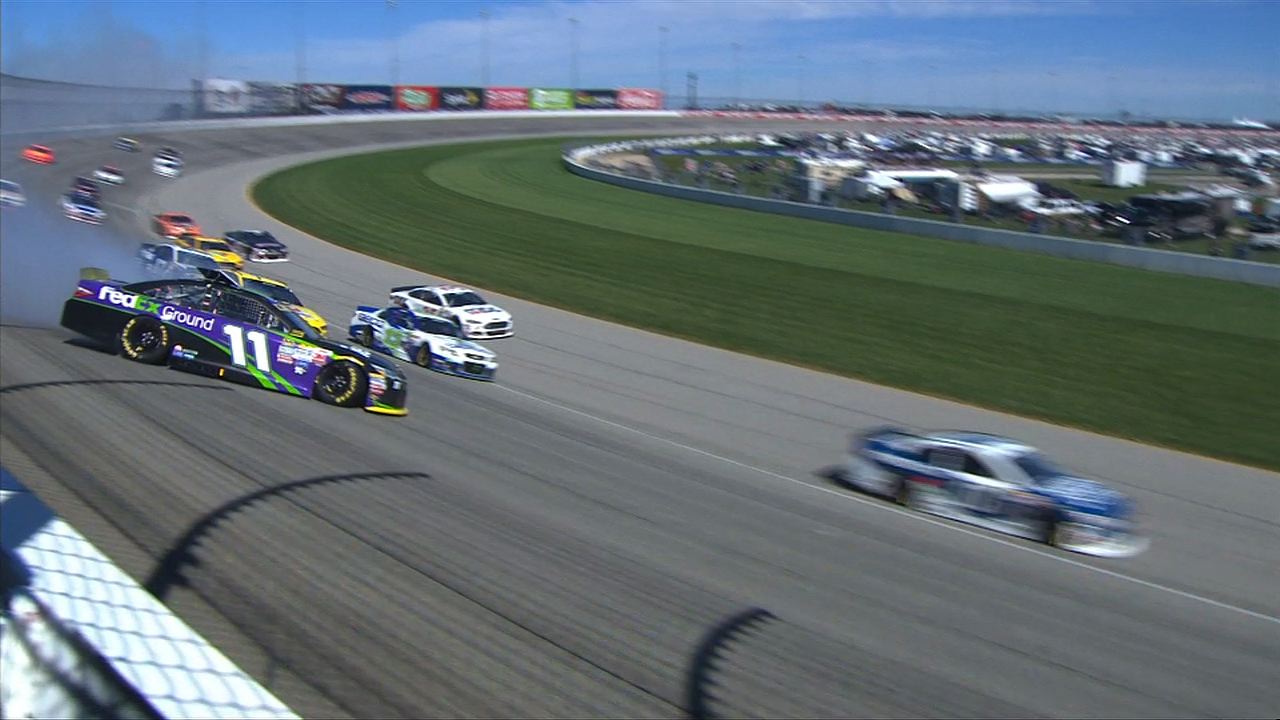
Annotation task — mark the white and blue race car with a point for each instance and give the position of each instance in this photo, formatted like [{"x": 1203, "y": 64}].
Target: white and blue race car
[
  {"x": 996, "y": 483},
  {"x": 427, "y": 341}
]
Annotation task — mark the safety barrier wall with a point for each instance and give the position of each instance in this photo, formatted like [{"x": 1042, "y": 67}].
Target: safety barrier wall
[{"x": 579, "y": 161}]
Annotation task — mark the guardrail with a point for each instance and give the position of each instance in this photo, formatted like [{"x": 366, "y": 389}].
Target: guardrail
[{"x": 580, "y": 162}]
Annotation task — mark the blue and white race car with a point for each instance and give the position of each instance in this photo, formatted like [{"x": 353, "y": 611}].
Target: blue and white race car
[
  {"x": 996, "y": 483},
  {"x": 427, "y": 341},
  {"x": 82, "y": 207}
]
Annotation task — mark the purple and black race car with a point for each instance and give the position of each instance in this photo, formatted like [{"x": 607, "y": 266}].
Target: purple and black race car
[{"x": 219, "y": 331}]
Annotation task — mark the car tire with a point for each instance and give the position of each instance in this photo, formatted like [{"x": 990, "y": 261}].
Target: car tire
[
  {"x": 364, "y": 336},
  {"x": 423, "y": 356},
  {"x": 904, "y": 493},
  {"x": 341, "y": 383},
  {"x": 144, "y": 339}
]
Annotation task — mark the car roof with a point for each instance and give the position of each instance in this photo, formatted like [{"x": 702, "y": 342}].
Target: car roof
[
  {"x": 987, "y": 441},
  {"x": 38, "y": 147}
]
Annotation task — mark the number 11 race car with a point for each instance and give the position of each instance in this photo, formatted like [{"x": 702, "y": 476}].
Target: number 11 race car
[
  {"x": 996, "y": 483},
  {"x": 225, "y": 332}
]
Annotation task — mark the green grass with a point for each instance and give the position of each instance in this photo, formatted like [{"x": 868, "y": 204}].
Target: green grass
[{"x": 1183, "y": 362}]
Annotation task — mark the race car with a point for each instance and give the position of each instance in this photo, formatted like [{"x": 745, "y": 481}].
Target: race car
[
  {"x": 428, "y": 341},
  {"x": 82, "y": 207},
  {"x": 463, "y": 307},
  {"x": 219, "y": 249},
  {"x": 224, "y": 332},
  {"x": 109, "y": 174},
  {"x": 173, "y": 224},
  {"x": 279, "y": 293},
  {"x": 38, "y": 154},
  {"x": 166, "y": 166},
  {"x": 166, "y": 260},
  {"x": 11, "y": 194},
  {"x": 126, "y": 144},
  {"x": 257, "y": 245},
  {"x": 996, "y": 483},
  {"x": 87, "y": 186}
]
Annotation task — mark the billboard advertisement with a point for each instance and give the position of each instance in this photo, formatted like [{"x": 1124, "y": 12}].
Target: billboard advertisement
[
  {"x": 417, "y": 98},
  {"x": 320, "y": 98},
  {"x": 550, "y": 99},
  {"x": 639, "y": 99},
  {"x": 225, "y": 97},
  {"x": 461, "y": 98},
  {"x": 506, "y": 98},
  {"x": 595, "y": 99},
  {"x": 368, "y": 97},
  {"x": 266, "y": 98}
]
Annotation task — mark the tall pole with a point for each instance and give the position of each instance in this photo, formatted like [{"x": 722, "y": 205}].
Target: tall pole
[
  {"x": 800, "y": 78},
  {"x": 300, "y": 41},
  {"x": 484, "y": 48},
  {"x": 662, "y": 59},
  {"x": 737, "y": 73},
  {"x": 394, "y": 40},
  {"x": 202, "y": 40},
  {"x": 573, "y": 53}
]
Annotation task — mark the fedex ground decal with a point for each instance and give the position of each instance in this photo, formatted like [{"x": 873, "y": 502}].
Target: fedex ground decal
[{"x": 178, "y": 316}]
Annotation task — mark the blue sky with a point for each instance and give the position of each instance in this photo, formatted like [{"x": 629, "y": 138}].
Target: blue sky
[{"x": 1180, "y": 58}]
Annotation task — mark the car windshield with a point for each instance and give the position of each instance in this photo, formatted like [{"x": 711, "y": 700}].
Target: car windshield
[
  {"x": 109, "y": 169},
  {"x": 463, "y": 299},
  {"x": 10, "y": 186},
  {"x": 1039, "y": 468},
  {"x": 197, "y": 260},
  {"x": 279, "y": 293},
  {"x": 180, "y": 220},
  {"x": 213, "y": 246},
  {"x": 258, "y": 237},
  {"x": 435, "y": 326},
  {"x": 83, "y": 199}
]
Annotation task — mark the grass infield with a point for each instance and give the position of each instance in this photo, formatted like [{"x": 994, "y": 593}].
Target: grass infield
[{"x": 1183, "y": 362}]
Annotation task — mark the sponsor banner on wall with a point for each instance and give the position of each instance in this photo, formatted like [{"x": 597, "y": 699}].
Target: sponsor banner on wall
[
  {"x": 595, "y": 99},
  {"x": 368, "y": 97},
  {"x": 266, "y": 98},
  {"x": 226, "y": 97},
  {"x": 461, "y": 98},
  {"x": 506, "y": 98},
  {"x": 550, "y": 99},
  {"x": 322, "y": 97},
  {"x": 416, "y": 98},
  {"x": 639, "y": 99}
]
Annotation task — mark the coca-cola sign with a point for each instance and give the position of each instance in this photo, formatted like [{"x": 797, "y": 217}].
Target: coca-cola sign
[
  {"x": 368, "y": 97},
  {"x": 506, "y": 98},
  {"x": 639, "y": 99}
]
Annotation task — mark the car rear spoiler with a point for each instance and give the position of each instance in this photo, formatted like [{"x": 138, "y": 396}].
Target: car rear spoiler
[
  {"x": 95, "y": 273},
  {"x": 367, "y": 308},
  {"x": 402, "y": 288}
]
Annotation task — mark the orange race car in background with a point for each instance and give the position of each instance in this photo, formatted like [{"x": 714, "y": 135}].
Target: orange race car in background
[
  {"x": 38, "y": 154},
  {"x": 174, "y": 224}
]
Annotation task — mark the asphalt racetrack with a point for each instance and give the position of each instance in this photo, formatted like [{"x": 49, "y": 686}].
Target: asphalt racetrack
[{"x": 560, "y": 542}]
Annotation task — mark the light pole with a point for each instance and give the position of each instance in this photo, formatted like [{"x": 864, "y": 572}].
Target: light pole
[
  {"x": 484, "y": 48},
  {"x": 573, "y": 53},
  {"x": 394, "y": 40},
  {"x": 737, "y": 73},
  {"x": 202, "y": 49},
  {"x": 300, "y": 41},
  {"x": 662, "y": 59},
  {"x": 800, "y": 78}
]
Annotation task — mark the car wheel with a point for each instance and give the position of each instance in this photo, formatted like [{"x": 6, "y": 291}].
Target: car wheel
[
  {"x": 1055, "y": 532},
  {"x": 423, "y": 356},
  {"x": 364, "y": 336},
  {"x": 904, "y": 493},
  {"x": 341, "y": 383},
  {"x": 145, "y": 339}
]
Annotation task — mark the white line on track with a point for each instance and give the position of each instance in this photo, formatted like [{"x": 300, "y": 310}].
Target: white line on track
[{"x": 913, "y": 515}]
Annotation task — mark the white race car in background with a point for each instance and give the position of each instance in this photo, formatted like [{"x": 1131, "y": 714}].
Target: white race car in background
[
  {"x": 996, "y": 483},
  {"x": 461, "y": 306},
  {"x": 11, "y": 194},
  {"x": 109, "y": 174},
  {"x": 166, "y": 165},
  {"x": 427, "y": 341},
  {"x": 82, "y": 207}
]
